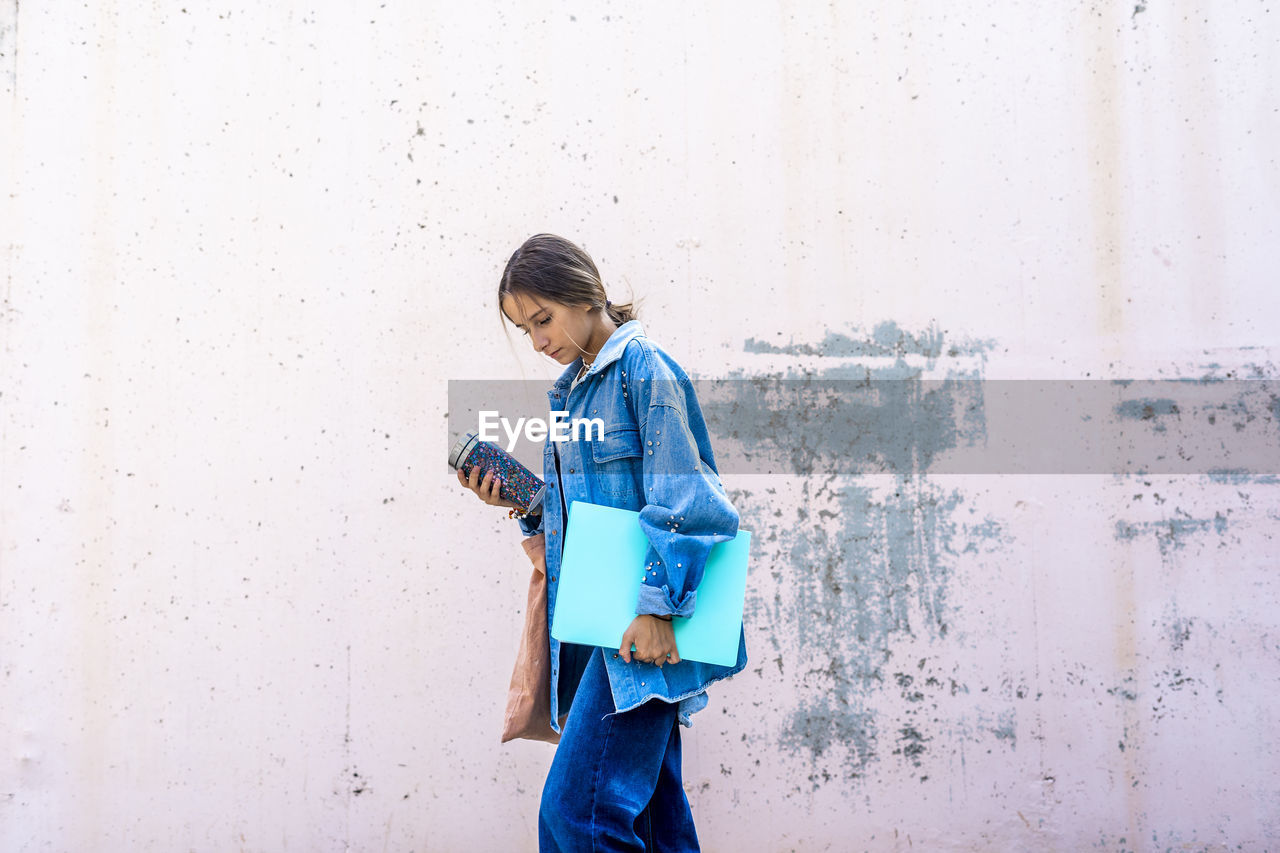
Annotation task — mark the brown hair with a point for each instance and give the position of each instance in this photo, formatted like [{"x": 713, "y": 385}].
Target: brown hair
[{"x": 559, "y": 271}]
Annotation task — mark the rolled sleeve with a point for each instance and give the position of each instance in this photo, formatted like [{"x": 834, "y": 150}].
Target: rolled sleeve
[
  {"x": 686, "y": 511},
  {"x": 531, "y": 525}
]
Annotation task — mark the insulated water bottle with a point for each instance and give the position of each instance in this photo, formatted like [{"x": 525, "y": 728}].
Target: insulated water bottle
[{"x": 519, "y": 485}]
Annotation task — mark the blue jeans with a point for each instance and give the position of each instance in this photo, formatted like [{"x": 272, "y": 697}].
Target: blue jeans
[{"x": 614, "y": 783}]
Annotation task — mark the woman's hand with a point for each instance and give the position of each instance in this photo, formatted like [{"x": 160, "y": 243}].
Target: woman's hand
[
  {"x": 654, "y": 639},
  {"x": 487, "y": 489}
]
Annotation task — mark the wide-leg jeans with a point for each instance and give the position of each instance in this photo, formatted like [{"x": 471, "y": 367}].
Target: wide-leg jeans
[{"x": 614, "y": 783}]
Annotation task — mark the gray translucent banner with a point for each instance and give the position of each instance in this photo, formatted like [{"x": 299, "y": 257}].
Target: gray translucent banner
[{"x": 1222, "y": 428}]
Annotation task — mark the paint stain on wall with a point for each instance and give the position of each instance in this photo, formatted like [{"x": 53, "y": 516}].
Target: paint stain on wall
[
  {"x": 1172, "y": 534},
  {"x": 9, "y": 45},
  {"x": 853, "y": 569},
  {"x": 855, "y": 565},
  {"x": 886, "y": 339}
]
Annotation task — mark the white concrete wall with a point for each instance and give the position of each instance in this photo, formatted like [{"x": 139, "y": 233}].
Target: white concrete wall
[{"x": 243, "y": 605}]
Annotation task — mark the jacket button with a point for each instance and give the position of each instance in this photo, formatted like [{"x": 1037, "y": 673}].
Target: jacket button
[
  {"x": 553, "y": 578},
  {"x": 570, "y": 470},
  {"x": 615, "y": 654}
]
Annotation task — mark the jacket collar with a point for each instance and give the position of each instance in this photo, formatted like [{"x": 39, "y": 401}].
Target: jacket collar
[{"x": 609, "y": 353}]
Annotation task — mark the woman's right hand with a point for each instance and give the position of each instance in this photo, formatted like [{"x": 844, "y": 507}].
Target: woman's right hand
[{"x": 487, "y": 489}]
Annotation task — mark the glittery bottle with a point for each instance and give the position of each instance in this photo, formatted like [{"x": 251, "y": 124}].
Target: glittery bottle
[{"x": 519, "y": 484}]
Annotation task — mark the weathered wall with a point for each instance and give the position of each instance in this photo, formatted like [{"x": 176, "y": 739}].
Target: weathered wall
[{"x": 243, "y": 606}]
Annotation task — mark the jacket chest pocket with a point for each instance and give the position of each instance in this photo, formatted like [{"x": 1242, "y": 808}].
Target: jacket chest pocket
[{"x": 617, "y": 457}]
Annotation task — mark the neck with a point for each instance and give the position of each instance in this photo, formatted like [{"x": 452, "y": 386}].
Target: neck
[{"x": 599, "y": 337}]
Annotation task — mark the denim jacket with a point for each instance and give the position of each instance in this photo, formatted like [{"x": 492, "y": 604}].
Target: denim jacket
[{"x": 654, "y": 457}]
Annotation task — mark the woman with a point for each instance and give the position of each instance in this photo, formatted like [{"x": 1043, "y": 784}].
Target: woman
[{"x": 615, "y": 781}]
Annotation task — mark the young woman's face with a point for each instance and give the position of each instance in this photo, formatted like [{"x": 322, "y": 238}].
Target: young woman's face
[{"x": 560, "y": 332}]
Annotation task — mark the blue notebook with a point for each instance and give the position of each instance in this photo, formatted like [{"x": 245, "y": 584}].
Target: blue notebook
[{"x": 600, "y": 574}]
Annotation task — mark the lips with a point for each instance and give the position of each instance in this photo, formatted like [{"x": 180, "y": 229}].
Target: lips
[{"x": 554, "y": 354}]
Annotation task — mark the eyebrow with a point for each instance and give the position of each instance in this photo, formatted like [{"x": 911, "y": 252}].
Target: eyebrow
[{"x": 533, "y": 316}]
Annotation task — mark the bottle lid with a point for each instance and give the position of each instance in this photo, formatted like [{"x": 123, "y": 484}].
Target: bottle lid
[
  {"x": 537, "y": 498},
  {"x": 462, "y": 449}
]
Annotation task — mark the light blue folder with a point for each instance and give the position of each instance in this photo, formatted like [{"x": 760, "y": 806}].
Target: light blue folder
[{"x": 600, "y": 574}]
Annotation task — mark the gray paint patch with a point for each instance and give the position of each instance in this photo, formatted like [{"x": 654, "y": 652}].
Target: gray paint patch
[
  {"x": 1179, "y": 633},
  {"x": 853, "y": 567},
  {"x": 1239, "y": 476},
  {"x": 887, "y": 339},
  {"x": 1146, "y": 409},
  {"x": 902, "y": 427},
  {"x": 893, "y": 427},
  {"x": 9, "y": 45},
  {"x": 1006, "y": 728},
  {"x": 1171, "y": 534}
]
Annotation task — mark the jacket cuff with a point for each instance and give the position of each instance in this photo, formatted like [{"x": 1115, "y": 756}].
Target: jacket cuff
[
  {"x": 530, "y": 525},
  {"x": 658, "y": 602}
]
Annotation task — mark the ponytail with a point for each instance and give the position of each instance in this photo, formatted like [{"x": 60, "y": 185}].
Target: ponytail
[{"x": 619, "y": 314}]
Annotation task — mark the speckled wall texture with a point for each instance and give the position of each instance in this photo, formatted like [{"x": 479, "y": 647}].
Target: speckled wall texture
[{"x": 244, "y": 249}]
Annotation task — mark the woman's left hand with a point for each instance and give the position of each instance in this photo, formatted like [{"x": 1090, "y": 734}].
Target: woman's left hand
[{"x": 654, "y": 639}]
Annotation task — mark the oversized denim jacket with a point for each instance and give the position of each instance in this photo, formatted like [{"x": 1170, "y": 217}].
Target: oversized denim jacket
[{"x": 654, "y": 457}]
